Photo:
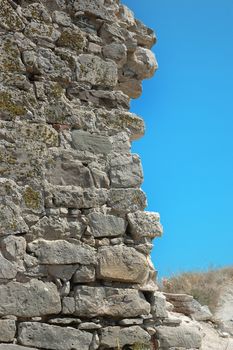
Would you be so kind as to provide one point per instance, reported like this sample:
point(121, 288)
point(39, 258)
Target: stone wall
point(75, 241)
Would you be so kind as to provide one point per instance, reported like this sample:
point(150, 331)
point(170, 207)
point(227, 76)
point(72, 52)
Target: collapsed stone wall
point(75, 241)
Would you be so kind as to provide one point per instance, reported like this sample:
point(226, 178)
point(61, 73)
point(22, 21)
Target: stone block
point(7, 330)
point(62, 252)
point(34, 298)
point(9, 18)
point(121, 263)
point(106, 301)
point(127, 200)
point(84, 274)
point(115, 337)
point(94, 70)
point(125, 171)
point(103, 225)
point(94, 143)
point(144, 224)
point(51, 337)
point(14, 347)
point(76, 197)
point(187, 337)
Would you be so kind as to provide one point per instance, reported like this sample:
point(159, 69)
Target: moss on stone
point(72, 39)
point(9, 17)
point(31, 198)
point(9, 106)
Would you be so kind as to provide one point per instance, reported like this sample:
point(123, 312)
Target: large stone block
point(35, 30)
point(94, 70)
point(73, 38)
point(14, 347)
point(34, 298)
point(115, 337)
point(76, 197)
point(125, 171)
point(121, 263)
point(10, 55)
point(13, 247)
point(11, 219)
point(50, 337)
point(119, 120)
point(144, 224)
point(96, 8)
point(62, 252)
point(8, 269)
point(127, 199)
point(64, 169)
point(187, 337)
point(102, 225)
point(113, 302)
point(7, 330)
point(9, 18)
point(94, 143)
point(143, 63)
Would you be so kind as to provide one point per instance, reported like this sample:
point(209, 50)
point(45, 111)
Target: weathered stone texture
point(105, 301)
point(34, 298)
point(53, 337)
point(75, 271)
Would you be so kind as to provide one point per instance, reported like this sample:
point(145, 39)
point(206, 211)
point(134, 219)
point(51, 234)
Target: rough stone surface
point(14, 347)
point(53, 337)
point(7, 330)
point(62, 252)
point(181, 337)
point(112, 337)
point(102, 225)
point(106, 301)
point(34, 298)
point(120, 263)
point(75, 269)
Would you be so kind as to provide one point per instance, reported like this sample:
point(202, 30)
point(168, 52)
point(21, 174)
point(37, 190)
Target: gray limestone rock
point(127, 200)
point(103, 225)
point(113, 337)
point(73, 37)
point(11, 219)
point(84, 141)
point(187, 337)
point(35, 30)
point(34, 298)
point(13, 247)
point(118, 120)
point(9, 18)
point(159, 306)
point(125, 171)
point(63, 272)
point(7, 330)
point(8, 269)
point(62, 18)
point(97, 8)
point(144, 224)
point(105, 301)
point(91, 68)
point(116, 52)
point(62, 252)
point(14, 347)
point(76, 197)
point(52, 337)
point(121, 263)
point(142, 62)
point(84, 274)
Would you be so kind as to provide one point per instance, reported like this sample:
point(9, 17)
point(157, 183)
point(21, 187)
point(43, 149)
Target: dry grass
point(204, 286)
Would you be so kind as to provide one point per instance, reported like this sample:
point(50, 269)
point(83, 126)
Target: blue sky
point(187, 153)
